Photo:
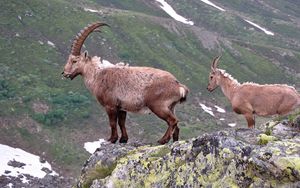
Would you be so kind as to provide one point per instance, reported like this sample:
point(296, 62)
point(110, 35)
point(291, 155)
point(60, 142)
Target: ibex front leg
point(112, 116)
point(121, 122)
point(250, 120)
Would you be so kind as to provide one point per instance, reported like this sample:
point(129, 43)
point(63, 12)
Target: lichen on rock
point(230, 158)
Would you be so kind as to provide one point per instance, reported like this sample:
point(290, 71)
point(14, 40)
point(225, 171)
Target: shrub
point(51, 118)
point(6, 91)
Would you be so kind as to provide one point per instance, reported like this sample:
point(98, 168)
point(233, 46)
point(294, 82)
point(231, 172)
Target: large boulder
point(269, 157)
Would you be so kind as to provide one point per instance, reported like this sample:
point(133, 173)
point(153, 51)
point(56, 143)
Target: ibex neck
point(89, 77)
point(228, 85)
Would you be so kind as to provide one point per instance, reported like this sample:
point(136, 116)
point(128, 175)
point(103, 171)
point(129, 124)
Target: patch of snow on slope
point(169, 10)
point(219, 109)
point(231, 124)
point(212, 4)
point(92, 146)
point(90, 10)
point(32, 167)
point(51, 44)
point(207, 109)
point(261, 28)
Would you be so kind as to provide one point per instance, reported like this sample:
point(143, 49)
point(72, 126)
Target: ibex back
point(250, 98)
point(121, 89)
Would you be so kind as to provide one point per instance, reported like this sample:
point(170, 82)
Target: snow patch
point(41, 42)
point(231, 124)
point(169, 10)
point(92, 146)
point(222, 119)
point(51, 44)
point(90, 10)
point(212, 4)
point(207, 109)
point(261, 28)
point(32, 167)
point(219, 109)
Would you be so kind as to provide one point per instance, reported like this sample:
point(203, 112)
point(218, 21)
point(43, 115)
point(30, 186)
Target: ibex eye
point(74, 61)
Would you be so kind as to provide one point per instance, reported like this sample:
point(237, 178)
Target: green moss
point(264, 139)
point(98, 172)
point(160, 151)
point(292, 117)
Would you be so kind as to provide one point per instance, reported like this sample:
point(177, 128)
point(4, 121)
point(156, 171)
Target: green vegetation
point(264, 139)
point(142, 35)
point(99, 172)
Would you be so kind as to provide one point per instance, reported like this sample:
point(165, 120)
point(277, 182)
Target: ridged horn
point(215, 62)
point(82, 35)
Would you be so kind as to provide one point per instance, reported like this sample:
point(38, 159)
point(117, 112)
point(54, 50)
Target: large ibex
point(252, 99)
point(122, 89)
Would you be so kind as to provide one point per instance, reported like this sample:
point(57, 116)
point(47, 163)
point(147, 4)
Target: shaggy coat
point(121, 88)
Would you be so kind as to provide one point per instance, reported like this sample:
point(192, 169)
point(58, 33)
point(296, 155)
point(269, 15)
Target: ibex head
point(214, 75)
point(77, 60)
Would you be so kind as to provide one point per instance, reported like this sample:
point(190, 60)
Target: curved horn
point(82, 35)
point(215, 62)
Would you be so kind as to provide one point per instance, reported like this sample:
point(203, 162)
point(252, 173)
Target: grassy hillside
point(43, 113)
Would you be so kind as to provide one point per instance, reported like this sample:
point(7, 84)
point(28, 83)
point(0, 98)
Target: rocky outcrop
point(269, 157)
point(49, 181)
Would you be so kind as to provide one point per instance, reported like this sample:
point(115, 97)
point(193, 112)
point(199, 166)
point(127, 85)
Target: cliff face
point(268, 157)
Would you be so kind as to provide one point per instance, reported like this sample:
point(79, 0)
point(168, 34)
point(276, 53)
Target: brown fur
point(121, 89)
point(251, 98)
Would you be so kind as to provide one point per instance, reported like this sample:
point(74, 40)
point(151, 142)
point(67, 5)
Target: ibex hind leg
point(121, 122)
point(176, 129)
point(165, 114)
point(176, 134)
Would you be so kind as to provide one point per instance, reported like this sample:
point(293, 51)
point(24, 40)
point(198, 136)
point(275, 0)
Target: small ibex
point(252, 99)
point(121, 88)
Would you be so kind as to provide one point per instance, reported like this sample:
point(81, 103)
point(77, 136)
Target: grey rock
point(231, 158)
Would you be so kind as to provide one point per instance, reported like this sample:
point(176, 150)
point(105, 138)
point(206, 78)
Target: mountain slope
point(40, 112)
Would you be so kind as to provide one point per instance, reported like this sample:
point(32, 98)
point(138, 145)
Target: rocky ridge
point(264, 157)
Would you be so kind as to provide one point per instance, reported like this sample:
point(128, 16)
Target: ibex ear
point(86, 54)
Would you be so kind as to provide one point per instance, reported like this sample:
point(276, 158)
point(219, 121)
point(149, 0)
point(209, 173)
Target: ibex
point(252, 99)
point(121, 89)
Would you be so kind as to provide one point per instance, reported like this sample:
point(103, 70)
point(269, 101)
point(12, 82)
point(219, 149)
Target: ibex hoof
point(123, 140)
point(163, 141)
point(112, 140)
point(175, 138)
